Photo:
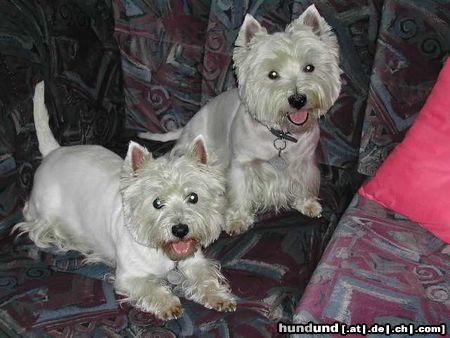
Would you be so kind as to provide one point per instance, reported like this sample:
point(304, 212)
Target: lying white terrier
point(264, 134)
point(147, 217)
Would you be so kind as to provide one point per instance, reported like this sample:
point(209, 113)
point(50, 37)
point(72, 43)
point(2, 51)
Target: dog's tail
point(170, 136)
point(47, 142)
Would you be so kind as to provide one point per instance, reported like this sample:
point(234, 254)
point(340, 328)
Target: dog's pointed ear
point(198, 150)
point(248, 30)
point(311, 18)
point(136, 156)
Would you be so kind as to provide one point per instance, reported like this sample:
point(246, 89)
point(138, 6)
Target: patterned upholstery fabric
point(379, 268)
point(412, 45)
point(176, 57)
point(70, 44)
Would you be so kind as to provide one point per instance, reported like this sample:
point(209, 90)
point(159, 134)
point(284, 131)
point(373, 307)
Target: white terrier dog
point(147, 217)
point(264, 134)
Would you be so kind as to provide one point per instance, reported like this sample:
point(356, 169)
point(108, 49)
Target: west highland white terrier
point(146, 217)
point(264, 134)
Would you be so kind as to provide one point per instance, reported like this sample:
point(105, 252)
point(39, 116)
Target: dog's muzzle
point(182, 247)
point(299, 116)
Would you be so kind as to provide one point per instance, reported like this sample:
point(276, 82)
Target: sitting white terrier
point(264, 134)
point(147, 217)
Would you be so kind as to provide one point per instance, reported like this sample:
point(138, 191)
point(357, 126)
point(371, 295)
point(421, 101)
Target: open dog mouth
point(298, 117)
point(181, 249)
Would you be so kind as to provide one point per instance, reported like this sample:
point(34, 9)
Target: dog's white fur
point(87, 198)
point(236, 123)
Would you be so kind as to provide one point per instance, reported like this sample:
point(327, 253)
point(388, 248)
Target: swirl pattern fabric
point(379, 267)
point(412, 45)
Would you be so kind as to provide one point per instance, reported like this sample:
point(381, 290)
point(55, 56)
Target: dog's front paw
point(310, 207)
point(166, 308)
point(224, 305)
point(220, 302)
point(173, 311)
point(236, 228)
point(237, 222)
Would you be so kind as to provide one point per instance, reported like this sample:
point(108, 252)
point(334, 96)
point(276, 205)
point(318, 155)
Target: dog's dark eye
point(308, 68)
point(192, 198)
point(157, 204)
point(273, 75)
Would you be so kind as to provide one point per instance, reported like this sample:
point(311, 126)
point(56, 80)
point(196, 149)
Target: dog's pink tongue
point(299, 116)
point(182, 247)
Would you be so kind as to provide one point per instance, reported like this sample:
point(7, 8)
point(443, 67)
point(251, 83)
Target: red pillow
point(415, 179)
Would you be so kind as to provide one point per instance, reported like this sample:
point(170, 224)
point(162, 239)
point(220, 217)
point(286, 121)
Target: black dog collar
point(282, 135)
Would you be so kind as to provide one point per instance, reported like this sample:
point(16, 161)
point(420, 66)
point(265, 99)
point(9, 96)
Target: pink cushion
point(415, 179)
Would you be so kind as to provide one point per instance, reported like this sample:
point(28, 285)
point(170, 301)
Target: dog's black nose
point(180, 230)
point(297, 101)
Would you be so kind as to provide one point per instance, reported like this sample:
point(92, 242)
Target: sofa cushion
point(379, 268)
point(415, 178)
point(412, 45)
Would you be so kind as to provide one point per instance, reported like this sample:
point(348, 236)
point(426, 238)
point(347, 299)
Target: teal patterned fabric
point(412, 45)
point(70, 44)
